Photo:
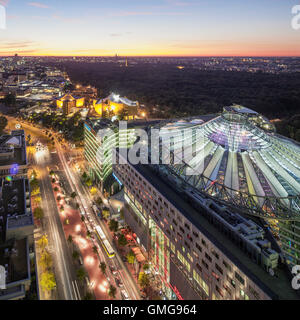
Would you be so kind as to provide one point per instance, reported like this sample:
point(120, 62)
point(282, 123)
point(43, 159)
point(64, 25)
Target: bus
point(100, 233)
point(108, 248)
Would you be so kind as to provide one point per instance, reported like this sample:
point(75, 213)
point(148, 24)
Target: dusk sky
point(150, 27)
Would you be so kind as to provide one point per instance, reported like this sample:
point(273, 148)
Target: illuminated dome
point(232, 159)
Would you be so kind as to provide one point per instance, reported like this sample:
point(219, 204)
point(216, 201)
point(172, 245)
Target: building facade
point(98, 150)
point(195, 253)
point(114, 105)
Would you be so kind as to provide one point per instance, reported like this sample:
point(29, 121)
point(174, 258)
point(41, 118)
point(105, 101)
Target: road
point(86, 203)
point(65, 277)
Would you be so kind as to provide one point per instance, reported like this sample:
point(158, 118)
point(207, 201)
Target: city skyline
point(150, 28)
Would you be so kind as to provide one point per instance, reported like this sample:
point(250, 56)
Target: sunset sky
point(150, 27)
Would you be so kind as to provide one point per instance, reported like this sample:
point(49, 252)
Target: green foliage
point(75, 254)
point(88, 296)
point(113, 225)
point(81, 274)
point(176, 93)
point(48, 282)
point(290, 127)
point(144, 280)
point(99, 201)
point(146, 266)
point(102, 267)
point(95, 250)
point(130, 257)
point(122, 240)
point(34, 185)
point(38, 213)
point(73, 195)
point(112, 291)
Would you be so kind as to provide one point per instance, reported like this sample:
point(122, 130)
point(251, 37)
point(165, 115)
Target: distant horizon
point(153, 56)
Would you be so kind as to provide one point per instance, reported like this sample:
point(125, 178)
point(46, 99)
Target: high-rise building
point(98, 148)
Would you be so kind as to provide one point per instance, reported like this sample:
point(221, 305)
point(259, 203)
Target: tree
point(46, 261)
point(37, 200)
point(38, 213)
point(123, 114)
point(34, 186)
point(58, 198)
point(10, 100)
point(81, 274)
point(130, 257)
point(48, 282)
point(3, 123)
point(122, 240)
point(113, 225)
point(73, 195)
point(144, 280)
point(146, 266)
point(112, 291)
point(82, 218)
point(35, 191)
point(93, 191)
point(88, 296)
point(99, 201)
point(43, 242)
point(55, 189)
point(88, 182)
point(297, 135)
point(75, 254)
point(95, 250)
point(84, 176)
point(105, 213)
point(102, 266)
point(70, 239)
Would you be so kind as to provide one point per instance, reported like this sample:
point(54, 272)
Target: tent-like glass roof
point(233, 160)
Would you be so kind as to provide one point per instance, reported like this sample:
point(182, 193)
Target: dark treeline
point(190, 91)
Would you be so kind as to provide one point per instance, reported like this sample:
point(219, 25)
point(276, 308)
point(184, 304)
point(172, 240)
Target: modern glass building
point(98, 148)
point(218, 215)
point(237, 160)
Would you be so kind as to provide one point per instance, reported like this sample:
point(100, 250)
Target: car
point(119, 283)
point(113, 270)
point(124, 295)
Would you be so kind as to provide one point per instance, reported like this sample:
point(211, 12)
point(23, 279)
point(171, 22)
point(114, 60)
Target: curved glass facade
point(234, 161)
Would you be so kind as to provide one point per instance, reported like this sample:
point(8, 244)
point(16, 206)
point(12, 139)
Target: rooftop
point(15, 210)
point(14, 257)
point(232, 158)
point(118, 99)
point(13, 149)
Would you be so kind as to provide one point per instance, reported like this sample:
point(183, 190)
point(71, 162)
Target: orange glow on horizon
point(230, 49)
point(284, 53)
